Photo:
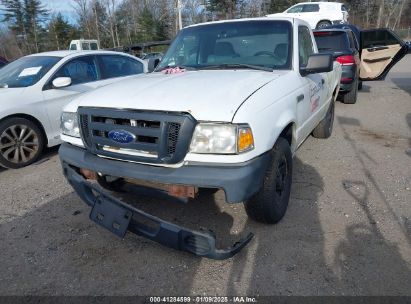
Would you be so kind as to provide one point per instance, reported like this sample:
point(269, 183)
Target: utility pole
point(180, 21)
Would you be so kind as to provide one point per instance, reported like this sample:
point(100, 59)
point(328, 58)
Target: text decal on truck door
point(315, 95)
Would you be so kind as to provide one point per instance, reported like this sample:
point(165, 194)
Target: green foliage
point(14, 15)
point(226, 8)
point(60, 33)
point(26, 18)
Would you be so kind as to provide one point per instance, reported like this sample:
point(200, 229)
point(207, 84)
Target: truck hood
point(208, 95)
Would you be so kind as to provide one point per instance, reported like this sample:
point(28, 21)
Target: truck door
point(312, 98)
point(381, 49)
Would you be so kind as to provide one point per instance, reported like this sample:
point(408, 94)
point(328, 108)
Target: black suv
point(344, 46)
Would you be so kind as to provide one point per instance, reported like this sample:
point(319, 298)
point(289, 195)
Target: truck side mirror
point(317, 63)
point(152, 63)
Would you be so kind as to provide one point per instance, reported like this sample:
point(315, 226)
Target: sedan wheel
point(21, 143)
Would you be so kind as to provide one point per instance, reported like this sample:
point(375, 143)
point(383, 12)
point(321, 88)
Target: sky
point(65, 7)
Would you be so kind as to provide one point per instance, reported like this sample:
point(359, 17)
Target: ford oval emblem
point(121, 136)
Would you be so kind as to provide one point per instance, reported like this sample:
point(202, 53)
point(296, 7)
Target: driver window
point(80, 70)
point(305, 45)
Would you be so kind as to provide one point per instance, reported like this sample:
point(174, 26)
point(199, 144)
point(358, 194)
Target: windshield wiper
point(236, 66)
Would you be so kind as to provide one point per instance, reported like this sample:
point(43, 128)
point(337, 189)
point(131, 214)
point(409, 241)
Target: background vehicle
point(84, 45)
point(34, 89)
point(318, 14)
point(3, 62)
point(345, 49)
point(233, 100)
point(371, 58)
point(408, 43)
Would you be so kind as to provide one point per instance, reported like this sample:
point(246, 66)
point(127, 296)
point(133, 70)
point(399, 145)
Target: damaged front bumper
point(118, 217)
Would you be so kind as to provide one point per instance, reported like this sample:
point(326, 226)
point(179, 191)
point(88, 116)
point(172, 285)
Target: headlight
point(69, 124)
point(221, 139)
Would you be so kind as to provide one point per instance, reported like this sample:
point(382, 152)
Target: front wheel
point(21, 142)
point(270, 203)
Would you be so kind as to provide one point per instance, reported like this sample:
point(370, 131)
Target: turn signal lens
point(245, 139)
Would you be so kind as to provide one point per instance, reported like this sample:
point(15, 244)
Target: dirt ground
point(347, 230)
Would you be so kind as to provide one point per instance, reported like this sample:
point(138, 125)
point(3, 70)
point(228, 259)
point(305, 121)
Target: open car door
point(381, 49)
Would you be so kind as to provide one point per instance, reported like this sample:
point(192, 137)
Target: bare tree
point(83, 12)
point(380, 13)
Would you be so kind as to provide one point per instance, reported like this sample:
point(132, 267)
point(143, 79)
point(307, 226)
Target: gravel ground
point(347, 230)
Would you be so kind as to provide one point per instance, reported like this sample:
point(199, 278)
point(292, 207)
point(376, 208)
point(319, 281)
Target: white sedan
point(34, 89)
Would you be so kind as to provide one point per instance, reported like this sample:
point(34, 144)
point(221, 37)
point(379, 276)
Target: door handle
point(376, 59)
point(300, 97)
point(377, 48)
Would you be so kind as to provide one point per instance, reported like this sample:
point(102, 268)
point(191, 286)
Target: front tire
point(325, 128)
point(21, 142)
point(270, 203)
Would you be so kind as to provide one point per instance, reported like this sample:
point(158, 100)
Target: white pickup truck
point(227, 108)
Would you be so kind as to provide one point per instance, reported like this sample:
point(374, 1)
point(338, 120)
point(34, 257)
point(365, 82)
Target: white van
point(84, 45)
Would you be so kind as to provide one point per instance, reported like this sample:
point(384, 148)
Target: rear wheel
point(323, 24)
point(351, 96)
point(270, 203)
point(325, 127)
point(21, 142)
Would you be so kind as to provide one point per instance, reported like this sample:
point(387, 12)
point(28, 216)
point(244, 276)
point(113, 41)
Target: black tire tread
point(260, 206)
point(351, 96)
point(323, 130)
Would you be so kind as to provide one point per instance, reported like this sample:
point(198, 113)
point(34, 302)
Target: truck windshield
point(26, 71)
point(265, 43)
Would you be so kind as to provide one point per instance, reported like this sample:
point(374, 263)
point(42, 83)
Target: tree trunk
point(35, 35)
point(398, 20)
point(380, 13)
point(97, 25)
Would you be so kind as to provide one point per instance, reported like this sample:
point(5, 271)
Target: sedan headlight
point(69, 124)
point(213, 138)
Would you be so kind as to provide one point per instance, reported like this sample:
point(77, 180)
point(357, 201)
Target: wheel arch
point(288, 133)
point(30, 118)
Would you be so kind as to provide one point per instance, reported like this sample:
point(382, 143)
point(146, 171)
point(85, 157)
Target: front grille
point(173, 132)
point(153, 137)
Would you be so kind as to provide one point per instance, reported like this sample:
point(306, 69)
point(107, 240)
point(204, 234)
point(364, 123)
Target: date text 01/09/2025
point(203, 299)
